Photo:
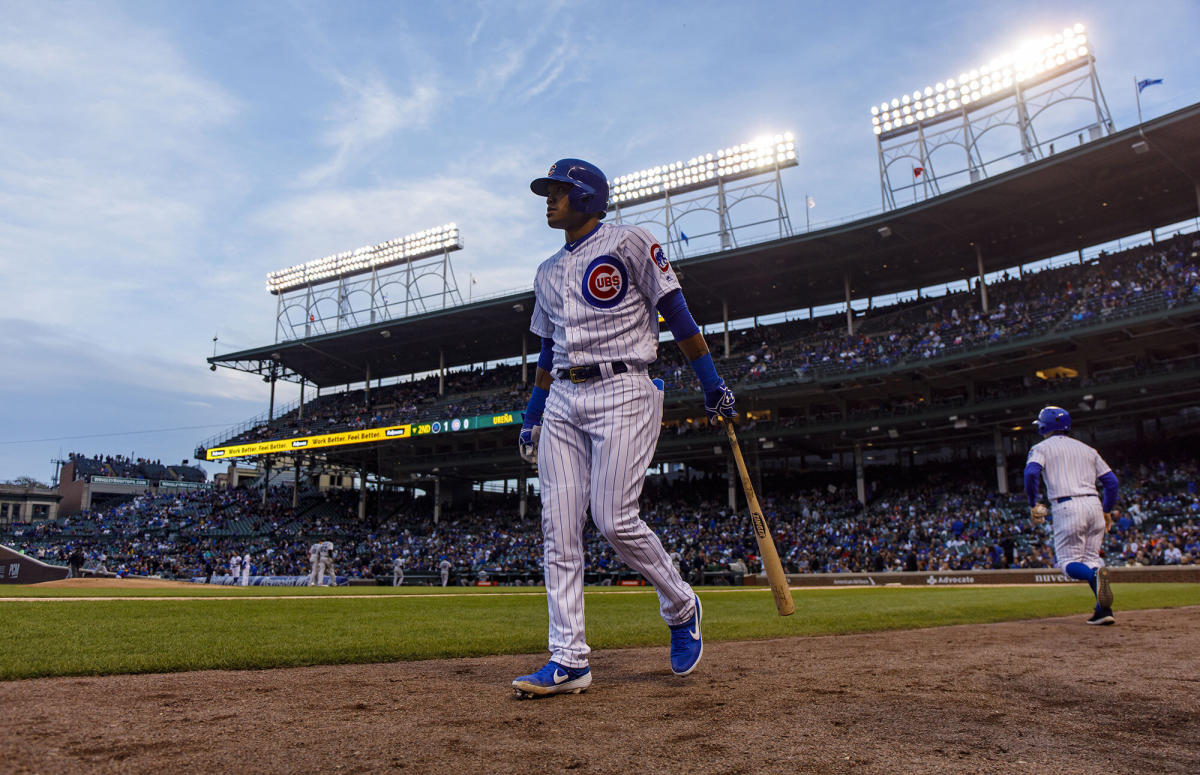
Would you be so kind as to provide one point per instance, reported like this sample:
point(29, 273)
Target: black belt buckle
point(580, 373)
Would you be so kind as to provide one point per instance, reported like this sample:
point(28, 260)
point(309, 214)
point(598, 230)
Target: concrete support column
point(437, 499)
point(860, 477)
point(296, 486)
point(524, 360)
point(362, 495)
point(300, 409)
point(731, 477)
point(441, 372)
point(1001, 462)
point(523, 498)
point(849, 312)
point(725, 318)
point(983, 300)
point(266, 480)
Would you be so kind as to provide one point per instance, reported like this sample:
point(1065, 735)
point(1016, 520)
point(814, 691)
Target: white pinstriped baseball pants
point(1078, 532)
point(597, 439)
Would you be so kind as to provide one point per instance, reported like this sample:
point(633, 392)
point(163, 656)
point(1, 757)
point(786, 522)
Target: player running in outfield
point(594, 414)
point(1081, 516)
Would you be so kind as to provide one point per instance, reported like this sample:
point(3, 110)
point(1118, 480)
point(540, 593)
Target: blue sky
point(161, 157)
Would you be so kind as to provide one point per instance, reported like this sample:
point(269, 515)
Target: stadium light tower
point(711, 182)
point(1011, 90)
point(350, 288)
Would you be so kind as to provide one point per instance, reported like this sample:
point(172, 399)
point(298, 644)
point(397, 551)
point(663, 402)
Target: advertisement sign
point(120, 480)
point(168, 484)
point(448, 425)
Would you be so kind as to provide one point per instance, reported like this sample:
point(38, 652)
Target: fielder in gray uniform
point(314, 557)
point(1081, 516)
point(594, 414)
point(327, 555)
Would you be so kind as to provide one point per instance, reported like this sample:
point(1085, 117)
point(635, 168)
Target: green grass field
point(122, 631)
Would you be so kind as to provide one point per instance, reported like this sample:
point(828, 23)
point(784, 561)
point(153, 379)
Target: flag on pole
point(474, 280)
point(683, 237)
point(1142, 84)
point(811, 203)
point(917, 172)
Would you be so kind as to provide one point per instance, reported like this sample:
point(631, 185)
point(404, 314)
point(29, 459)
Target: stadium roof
point(1126, 183)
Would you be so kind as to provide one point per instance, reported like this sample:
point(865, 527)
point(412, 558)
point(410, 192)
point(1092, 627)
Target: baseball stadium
point(359, 584)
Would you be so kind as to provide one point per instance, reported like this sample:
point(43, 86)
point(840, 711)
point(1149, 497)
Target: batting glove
point(719, 402)
point(527, 443)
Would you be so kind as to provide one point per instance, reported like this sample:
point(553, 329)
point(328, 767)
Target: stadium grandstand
point(948, 336)
point(887, 371)
point(93, 482)
point(931, 517)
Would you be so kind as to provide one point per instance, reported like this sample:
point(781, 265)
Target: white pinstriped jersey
point(1069, 466)
point(597, 297)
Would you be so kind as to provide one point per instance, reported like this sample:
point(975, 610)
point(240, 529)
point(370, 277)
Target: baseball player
point(444, 566)
point(245, 581)
point(325, 558)
point(1081, 516)
point(314, 557)
point(235, 568)
point(397, 571)
point(594, 414)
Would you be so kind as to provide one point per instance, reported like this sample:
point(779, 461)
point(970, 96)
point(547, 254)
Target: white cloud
point(368, 113)
point(109, 165)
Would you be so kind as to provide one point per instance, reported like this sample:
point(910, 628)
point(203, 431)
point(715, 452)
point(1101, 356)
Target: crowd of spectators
point(1131, 282)
point(940, 518)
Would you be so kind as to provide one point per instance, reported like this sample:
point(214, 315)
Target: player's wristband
point(537, 405)
point(706, 370)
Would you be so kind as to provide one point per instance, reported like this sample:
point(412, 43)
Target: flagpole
point(1138, 94)
point(807, 207)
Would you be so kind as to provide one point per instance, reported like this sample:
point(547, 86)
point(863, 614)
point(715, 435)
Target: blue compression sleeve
point(1033, 475)
point(537, 405)
point(1109, 480)
point(706, 370)
point(546, 356)
point(674, 310)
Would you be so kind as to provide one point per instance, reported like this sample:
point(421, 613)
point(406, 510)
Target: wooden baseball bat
point(766, 544)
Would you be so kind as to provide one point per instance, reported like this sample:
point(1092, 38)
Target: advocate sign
point(346, 438)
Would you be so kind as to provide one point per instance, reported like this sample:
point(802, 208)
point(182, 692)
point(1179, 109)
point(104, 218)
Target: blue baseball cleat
point(686, 644)
point(553, 679)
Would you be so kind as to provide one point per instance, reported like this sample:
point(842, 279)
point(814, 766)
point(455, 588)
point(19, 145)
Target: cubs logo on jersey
point(660, 258)
point(605, 282)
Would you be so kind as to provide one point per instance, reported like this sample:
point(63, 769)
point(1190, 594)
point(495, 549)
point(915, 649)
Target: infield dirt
point(1048, 695)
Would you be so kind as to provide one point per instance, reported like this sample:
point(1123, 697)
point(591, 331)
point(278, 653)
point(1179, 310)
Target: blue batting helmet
point(1053, 419)
point(589, 187)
